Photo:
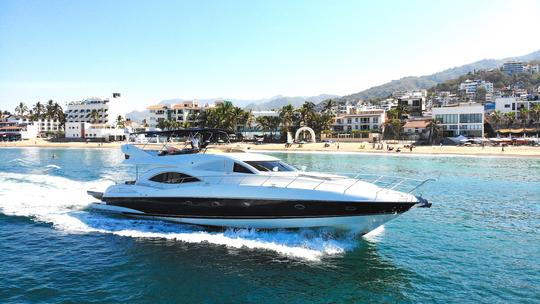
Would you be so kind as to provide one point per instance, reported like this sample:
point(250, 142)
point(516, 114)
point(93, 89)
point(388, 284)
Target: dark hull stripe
point(247, 217)
point(253, 208)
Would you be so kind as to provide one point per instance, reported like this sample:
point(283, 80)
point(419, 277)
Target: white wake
point(62, 202)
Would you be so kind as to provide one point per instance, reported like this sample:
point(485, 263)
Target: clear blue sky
point(154, 50)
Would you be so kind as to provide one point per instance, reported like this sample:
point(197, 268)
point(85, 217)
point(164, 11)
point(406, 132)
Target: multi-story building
point(157, 114)
point(470, 87)
point(344, 107)
point(11, 128)
point(514, 105)
point(415, 100)
point(361, 121)
point(388, 103)
point(461, 119)
point(43, 126)
point(95, 118)
point(535, 69)
point(107, 110)
point(85, 130)
point(513, 67)
point(185, 111)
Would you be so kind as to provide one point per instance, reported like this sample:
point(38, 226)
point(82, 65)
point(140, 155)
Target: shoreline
point(318, 148)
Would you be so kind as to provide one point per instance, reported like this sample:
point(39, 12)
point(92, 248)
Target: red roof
point(420, 124)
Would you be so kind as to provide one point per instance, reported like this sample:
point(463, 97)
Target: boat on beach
point(204, 185)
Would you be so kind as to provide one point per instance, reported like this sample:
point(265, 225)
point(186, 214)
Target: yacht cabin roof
point(138, 156)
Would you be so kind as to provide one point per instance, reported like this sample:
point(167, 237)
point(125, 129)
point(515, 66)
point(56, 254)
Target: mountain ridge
point(428, 81)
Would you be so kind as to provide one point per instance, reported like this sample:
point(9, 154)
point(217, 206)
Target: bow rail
point(339, 182)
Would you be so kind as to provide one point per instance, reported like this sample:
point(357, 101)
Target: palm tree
point(393, 114)
point(326, 121)
point(21, 109)
point(286, 115)
point(402, 109)
point(39, 111)
point(434, 128)
point(59, 115)
point(524, 115)
point(496, 117)
point(50, 110)
point(120, 122)
point(237, 117)
point(264, 123)
point(273, 123)
point(510, 118)
point(535, 111)
point(307, 113)
point(94, 116)
point(392, 128)
point(162, 124)
point(328, 107)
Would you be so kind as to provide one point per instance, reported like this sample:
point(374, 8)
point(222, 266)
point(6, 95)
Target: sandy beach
point(509, 151)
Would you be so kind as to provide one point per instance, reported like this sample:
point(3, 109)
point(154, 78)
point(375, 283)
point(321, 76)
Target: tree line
point(234, 119)
point(44, 111)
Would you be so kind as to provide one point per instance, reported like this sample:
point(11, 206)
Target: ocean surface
point(480, 242)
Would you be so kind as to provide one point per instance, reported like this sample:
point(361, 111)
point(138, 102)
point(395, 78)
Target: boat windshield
point(271, 165)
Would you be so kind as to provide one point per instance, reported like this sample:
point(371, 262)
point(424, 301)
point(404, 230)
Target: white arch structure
point(302, 129)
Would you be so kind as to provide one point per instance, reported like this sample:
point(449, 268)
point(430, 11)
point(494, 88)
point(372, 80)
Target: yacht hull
point(360, 217)
point(360, 224)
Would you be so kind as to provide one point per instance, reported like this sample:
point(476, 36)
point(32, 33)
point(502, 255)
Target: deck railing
point(336, 182)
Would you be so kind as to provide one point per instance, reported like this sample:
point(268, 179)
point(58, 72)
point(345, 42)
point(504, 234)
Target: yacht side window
point(173, 178)
point(241, 169)
point(271, 165)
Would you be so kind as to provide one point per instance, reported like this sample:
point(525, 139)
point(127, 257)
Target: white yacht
point(250, 190)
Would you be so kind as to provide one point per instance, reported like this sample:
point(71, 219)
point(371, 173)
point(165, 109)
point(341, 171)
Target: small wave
point(375, 235)
point(20, 162)
point(62, 202)
point(53, 166)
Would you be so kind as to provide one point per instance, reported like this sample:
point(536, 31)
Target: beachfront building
point(513, 67)
point(368, 120)
point(461, 119)
point(95, 132)
point(185, 111)
point(416, 129)
point(95, 119)
point(11, 129)
point(107, 109)
point(514, 105)
point(42, 126)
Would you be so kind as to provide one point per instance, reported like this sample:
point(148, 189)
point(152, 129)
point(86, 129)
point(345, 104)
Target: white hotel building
point(42, 126)
point(183, 111)
point(461, 119)
point(360, 121)
point(81, 125)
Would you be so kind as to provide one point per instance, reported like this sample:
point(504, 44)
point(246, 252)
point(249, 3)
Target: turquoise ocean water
point(480, 242)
